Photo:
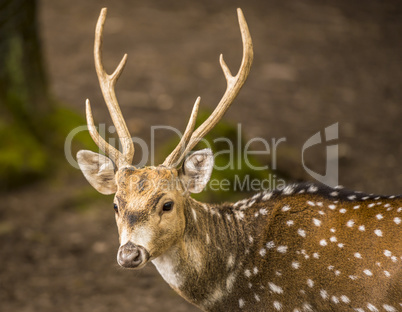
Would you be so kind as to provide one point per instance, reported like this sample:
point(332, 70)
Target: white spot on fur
point(263, 252)
point(324, 294)
point(310, 283)
point(388, 308)
point(270, 245)
point(286, 208)
point(343, 210)
point(345, 299)
point(247, 273)
point(290, 222)
point(295, 265)
point(267, 196)
point(216, 296)
point(397, 220)
point(230, 281)
point(350, 223)
point(368, 272)
point(323, 242)
point(282, 249)
point(335, 299)
point(332, 207)
point(316, 222)
point(263, 211)
point(239, 214)
point(231, 261)
point(333, 239)
point(371, 307)
point(207, 239)
point(358, 255)
point(379, 216)
point(301, 232)
point(288, 190)
point(241, 303)
point(275, 288)
point(378, 232)
point(277, 305)
point(312, 189)
point(362, 228)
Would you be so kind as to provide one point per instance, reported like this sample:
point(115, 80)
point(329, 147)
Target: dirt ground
point(316, 63)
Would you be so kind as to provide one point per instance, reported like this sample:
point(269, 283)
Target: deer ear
point(196, 170)
point(98, 170)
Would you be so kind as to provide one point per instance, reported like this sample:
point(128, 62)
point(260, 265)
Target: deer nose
point(132, 256)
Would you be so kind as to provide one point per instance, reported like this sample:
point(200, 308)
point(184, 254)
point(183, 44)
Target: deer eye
point(116, 208)
point(168, 206)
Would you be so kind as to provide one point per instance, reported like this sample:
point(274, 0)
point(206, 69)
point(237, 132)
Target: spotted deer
point(306, 247)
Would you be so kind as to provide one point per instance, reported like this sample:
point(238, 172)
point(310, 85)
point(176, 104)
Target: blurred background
point(316, 63)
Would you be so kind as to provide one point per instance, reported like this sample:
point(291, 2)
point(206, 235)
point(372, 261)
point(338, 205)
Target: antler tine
point(102, 144)
point(234, 84)
point(107, 84)
point(178, 151)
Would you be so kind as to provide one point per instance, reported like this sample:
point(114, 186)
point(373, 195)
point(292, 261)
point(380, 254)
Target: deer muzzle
point(131, 256)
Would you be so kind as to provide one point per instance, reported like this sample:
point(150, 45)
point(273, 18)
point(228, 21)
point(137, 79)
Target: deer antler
point(107, 84)
point(234, 84)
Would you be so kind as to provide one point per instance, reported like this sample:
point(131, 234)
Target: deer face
point(149, 203)
point(149, 213)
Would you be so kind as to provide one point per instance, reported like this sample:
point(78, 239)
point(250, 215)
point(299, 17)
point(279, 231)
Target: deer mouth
point(131, 256)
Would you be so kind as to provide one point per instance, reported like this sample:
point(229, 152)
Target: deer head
point(149, 202)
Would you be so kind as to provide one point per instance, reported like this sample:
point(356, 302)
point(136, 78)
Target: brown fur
point(273, 252)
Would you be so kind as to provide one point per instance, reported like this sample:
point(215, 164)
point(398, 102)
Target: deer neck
point(203, 265)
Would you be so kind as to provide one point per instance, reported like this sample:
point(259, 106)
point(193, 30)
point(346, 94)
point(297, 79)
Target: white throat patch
point(167, 267)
